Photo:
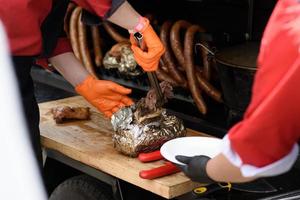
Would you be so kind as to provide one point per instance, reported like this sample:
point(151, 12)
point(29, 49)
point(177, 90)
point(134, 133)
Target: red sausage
point(209, 89)
point(84, 50)
point(175, 40)
point(97, 45)
point(74, 32)
point(167, 56)
point(190, 69)
point(164, 76)
point(68, 14)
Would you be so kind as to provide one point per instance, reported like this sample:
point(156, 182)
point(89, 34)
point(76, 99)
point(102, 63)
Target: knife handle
point(151, 75)
point(206, 190)
point(139, 38)
point(148, 157)
point(164, 170)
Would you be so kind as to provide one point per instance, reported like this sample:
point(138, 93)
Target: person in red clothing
point(34, 28)
point(264, 143)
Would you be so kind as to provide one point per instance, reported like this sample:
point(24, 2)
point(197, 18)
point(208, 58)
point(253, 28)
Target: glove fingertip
point(108, 114)
point(183, 159)
point(179, 166)
point(134, 48)
point(120, 89)
point(115, 109)
point(127, 101)
point(138, 52)
point(124, 91)
point(132, 40)
point(179, 157)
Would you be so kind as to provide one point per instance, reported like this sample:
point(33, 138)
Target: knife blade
point(151, 75)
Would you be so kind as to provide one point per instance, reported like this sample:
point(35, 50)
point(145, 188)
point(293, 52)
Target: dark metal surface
point(294, 195)
point(236, 67)
point(257, 186)
point(106, 178)
point(52, 79)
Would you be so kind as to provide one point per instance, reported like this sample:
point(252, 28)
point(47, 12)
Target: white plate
point(190, 146)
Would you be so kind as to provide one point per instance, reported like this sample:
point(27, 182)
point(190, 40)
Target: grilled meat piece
point(62, 114)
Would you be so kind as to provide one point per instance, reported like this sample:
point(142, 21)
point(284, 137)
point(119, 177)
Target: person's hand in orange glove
point(148, 59)
point(108, 97)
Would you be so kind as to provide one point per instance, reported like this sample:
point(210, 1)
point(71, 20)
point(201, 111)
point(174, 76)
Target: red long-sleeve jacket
point(271, 126)
point(22, 20)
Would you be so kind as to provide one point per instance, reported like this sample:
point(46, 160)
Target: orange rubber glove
point(107, 96)
point(148, 59)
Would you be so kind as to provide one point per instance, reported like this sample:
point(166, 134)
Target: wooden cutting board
point(90, 143)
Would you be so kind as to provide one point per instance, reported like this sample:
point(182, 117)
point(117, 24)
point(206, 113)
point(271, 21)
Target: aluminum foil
point(132, 137)
point(122, 59)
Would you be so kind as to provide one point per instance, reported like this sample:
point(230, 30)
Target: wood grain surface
point(90, 143)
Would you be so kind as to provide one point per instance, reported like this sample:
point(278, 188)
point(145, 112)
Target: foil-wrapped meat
point(121, 57)
point(143, 127)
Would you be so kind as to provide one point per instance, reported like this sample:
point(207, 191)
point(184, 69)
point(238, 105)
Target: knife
point(151, 75)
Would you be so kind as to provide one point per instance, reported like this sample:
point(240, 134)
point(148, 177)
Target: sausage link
point(209, 89)
point(97, 45)
point(67, 17)
point(167, 56)
point(83, 47)
point(164, 67)
point(190, 69)
point(113, 33)
point(74, 32)
point(163, 76)
point(175, 40)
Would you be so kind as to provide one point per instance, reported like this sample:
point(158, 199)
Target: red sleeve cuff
point(97, 7)
point(43, 62)
point(63, 46)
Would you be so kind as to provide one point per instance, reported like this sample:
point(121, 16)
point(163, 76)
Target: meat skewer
point(83, 47)
point(74, 32)
point(167, 56)
point(97, 45)
point(190, 69)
